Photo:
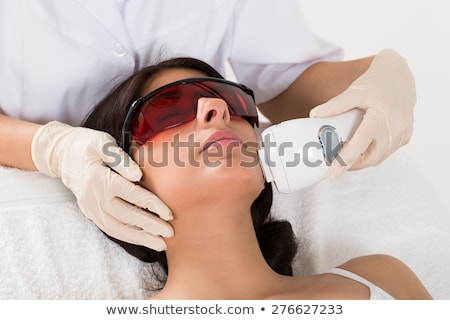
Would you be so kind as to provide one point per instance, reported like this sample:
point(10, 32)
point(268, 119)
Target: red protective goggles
point(176, 103)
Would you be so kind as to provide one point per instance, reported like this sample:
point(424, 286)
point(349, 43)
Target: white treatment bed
point(49, 250)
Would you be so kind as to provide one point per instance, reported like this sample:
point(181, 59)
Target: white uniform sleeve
point(61, 57)
point(272, 45)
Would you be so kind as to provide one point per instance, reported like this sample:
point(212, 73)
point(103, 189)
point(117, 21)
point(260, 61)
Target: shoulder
point(390, 274)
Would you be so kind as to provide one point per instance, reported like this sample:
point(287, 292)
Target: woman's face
point(211, 160)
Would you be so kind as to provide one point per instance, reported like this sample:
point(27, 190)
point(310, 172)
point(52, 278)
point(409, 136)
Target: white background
point(420, 32)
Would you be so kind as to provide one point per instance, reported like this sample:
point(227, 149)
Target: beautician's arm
point(15, 142)
point(383, 86)
point(316, 85)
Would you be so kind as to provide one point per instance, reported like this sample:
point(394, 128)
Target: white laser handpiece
point(296, 153)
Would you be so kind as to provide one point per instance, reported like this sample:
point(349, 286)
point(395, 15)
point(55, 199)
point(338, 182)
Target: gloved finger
point(382, 141)
point(337, 105)
point(114, 157)
point(137, 217)
point(353, 149)
point(130, 234)
point(142, 238)
point(368, 158)
point(138, 196)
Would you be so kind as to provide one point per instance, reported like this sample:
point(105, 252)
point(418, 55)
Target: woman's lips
point(221, 138)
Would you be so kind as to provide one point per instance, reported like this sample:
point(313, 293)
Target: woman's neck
point(215, 255)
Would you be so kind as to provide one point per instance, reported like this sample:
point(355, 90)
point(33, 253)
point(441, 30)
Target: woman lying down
point(192, 134)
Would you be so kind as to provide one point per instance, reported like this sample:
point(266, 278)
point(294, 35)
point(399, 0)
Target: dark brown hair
point(275, 237)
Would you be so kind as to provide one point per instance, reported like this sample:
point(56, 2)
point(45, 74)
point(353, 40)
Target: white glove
point(109, 198)
point(386, 91)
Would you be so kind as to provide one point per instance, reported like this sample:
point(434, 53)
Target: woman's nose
point(212, 112)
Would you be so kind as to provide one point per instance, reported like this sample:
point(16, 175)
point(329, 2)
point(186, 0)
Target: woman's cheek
point(167, 178)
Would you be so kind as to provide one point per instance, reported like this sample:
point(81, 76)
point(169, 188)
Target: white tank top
point(376, 293)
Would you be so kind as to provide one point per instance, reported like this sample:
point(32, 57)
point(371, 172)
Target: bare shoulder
point(390, 274)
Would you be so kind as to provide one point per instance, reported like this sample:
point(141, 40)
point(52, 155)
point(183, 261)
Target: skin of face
point(183, 172)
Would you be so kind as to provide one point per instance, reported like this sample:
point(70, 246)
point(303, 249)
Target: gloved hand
point(107, 197)
point(386, 91)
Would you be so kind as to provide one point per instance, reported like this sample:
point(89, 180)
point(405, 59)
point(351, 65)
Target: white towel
point(49, 250)
point(389, 209)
